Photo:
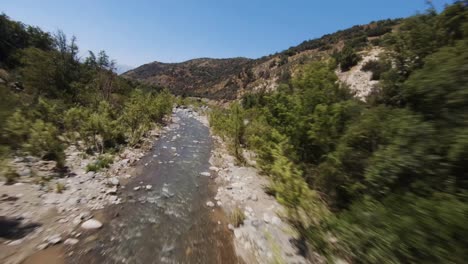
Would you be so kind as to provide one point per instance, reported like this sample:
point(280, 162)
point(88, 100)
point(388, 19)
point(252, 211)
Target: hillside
point(233, 77)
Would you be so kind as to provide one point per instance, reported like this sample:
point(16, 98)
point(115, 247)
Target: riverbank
point(43, 210)
point(164, 217)
point(263, 237)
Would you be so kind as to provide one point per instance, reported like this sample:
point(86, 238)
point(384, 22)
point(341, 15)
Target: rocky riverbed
point(176, 209)
point(263, 237)
point(45, 209)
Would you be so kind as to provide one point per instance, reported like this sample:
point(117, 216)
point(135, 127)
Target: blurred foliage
point(376, 67)
point(103, 161)
point(50, 98)
point(381, 181)
point(237, 217)
point(230, 124)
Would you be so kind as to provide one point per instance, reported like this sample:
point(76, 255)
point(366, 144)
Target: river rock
point(71, 241)
point(25, 172)
point(91, 224)
point(213, 168)
point(136, 188)
point(148, 187)
point(266, 218)
point(113, 181)
point(55, 239)
point(237, 233)
point(15, 242)
point(42, 246)
point(254, 197)
point(112, 191)
point(275, 220)
point(206, 174)
point(210, 204)
point(76, 221)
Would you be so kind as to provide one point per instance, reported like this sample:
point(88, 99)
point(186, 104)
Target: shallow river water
point(170, 223)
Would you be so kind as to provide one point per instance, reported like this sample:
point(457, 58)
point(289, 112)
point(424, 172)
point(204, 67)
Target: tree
point(38, 73)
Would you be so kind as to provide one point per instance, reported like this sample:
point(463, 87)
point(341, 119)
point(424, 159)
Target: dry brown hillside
point(231, 78)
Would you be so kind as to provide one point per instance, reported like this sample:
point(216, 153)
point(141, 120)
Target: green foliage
point(229, 123)
point(47, 93)
point(42, 142)
point(439, 90)
point(16, 129)
point(9, 174)
point(376, 67)
point(377, 182)
point(60, 187)
point(38, 72)
point(102, 128)
point(347, 58)
point(379, 28)
point(73, 120)
point(237, 217)
point(141, 110)
point(17, 36)
point(404, 228)
point(356, 33)
point(103, 161)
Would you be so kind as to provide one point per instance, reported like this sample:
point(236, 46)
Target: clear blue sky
point(140, 31)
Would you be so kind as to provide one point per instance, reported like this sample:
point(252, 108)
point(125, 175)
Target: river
point(169, 223)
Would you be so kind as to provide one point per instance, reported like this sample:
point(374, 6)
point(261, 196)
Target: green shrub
point(17, 129)
point(376, 67)
point(73, 121)
point(237, 217)
point(10, 174)
point(404, 229)
point(142, 110)
point(229, 123)
point(347, 58)
point(60, 187)
point(102, 128)
point(43, 142)
point(103, 161)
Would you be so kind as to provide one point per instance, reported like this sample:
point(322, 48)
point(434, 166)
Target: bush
point(16, 129)
point(237, 217)
point(142, 110)
point(103, 129)
point(10, 174)
point(229, 123)
point(60, 187)
point(347, 58)
point(74, 120)
point(103, 161)
point(43, 142)
point(404, 229)
point(376, 67)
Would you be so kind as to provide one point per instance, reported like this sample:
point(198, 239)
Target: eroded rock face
point(358, 80)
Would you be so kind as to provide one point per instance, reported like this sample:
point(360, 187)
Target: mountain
point(200, 77)
point(121, 68)
point(231, 78)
